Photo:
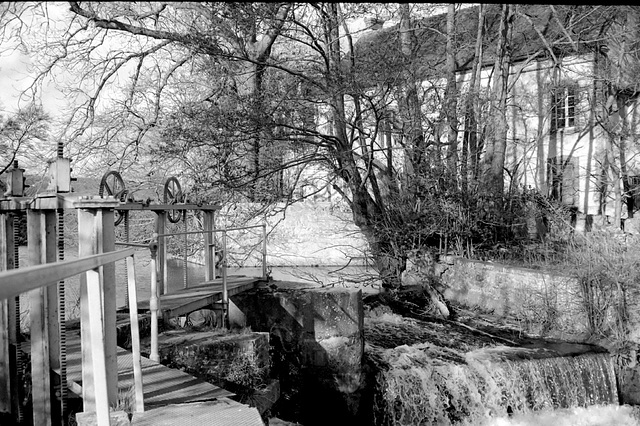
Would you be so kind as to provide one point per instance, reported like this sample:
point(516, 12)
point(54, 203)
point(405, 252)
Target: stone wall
point(317, 341)
point(315, 233)
point(309, 233)
point(540, 302)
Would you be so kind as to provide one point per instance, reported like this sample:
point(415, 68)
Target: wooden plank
point(86, 247)
point(40, 232)
point(186, 307)
point(183, 302)
point(21, 280)
point(105, 234)
point(138, 403)
point(6, 253)
point(5, 359)
point(161, 385)
point(97, 342)
point(222, 412)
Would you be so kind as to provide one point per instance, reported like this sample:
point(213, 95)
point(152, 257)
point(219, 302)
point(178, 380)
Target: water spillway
point(453, 383)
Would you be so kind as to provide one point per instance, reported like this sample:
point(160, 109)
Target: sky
point(15, 78)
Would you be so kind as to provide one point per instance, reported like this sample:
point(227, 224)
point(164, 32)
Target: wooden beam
point(138, 403)
point(41, 232)
point(17, 281)
point(97, 363)
point(105, 239)
point(87, 247)
point(6, 262)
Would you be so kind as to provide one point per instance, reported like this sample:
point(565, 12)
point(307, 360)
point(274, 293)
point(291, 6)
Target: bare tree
point(23, 136)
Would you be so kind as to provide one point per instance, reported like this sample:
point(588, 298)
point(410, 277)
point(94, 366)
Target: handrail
point(16, 281)
point(123, 243)
point(224, 232)
point(238, 228)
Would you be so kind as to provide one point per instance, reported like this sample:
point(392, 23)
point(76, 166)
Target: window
point(634, 191)
point(563, 179)
point(563, 108)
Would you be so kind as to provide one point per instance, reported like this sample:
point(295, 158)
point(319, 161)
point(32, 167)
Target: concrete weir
point(317, 337)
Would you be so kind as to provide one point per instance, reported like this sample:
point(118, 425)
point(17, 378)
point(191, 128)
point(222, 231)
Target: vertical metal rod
point(185, 276)
point(126, 238)
point(225, 293)
point(154, 302)
point(161, 221)
point(264, 251)
point(209, 251)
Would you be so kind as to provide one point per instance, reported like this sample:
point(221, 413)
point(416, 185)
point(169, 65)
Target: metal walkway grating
point(171, 397)
point(222, 412)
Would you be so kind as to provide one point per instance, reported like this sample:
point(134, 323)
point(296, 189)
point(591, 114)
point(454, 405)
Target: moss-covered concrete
point(317, 342)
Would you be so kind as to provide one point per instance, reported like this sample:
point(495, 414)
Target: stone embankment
point(317, 340)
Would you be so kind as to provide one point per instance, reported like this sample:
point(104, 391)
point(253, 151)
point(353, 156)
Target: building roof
point(379, 51)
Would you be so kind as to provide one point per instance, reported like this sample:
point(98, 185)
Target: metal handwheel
point(173, 195)
point(113, 184)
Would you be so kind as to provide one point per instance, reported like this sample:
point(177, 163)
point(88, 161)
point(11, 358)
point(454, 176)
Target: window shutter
point(583, 108)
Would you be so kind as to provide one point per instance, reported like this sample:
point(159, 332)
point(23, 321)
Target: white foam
point(596, 415)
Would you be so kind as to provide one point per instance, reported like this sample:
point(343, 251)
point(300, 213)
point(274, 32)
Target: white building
point(572, 116)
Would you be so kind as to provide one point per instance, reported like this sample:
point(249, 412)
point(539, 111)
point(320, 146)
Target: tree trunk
point(497, 143)
point(410, 104)
point(451, 95)
point(470, 138)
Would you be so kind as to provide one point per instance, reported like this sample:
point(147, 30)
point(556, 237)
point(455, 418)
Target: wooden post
point(161, 221)
point(107, 242)
point(96, 235)
point(138, 405)
point(209, 250)
point(93, 333)
point(41, 234)
point(8, 379)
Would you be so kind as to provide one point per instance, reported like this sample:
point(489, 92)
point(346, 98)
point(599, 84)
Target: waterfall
point(416, 386)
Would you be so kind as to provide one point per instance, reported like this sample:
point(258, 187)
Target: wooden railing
point(17, 281)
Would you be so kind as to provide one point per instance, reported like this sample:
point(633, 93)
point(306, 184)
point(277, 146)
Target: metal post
point(186, 242)
point(126, 238)
point(264, 251)
point(225, 294)
point(161, 221)
point(154, 302)
point(209, 251)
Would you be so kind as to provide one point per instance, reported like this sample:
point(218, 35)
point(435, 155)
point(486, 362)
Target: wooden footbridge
point(87, 361)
